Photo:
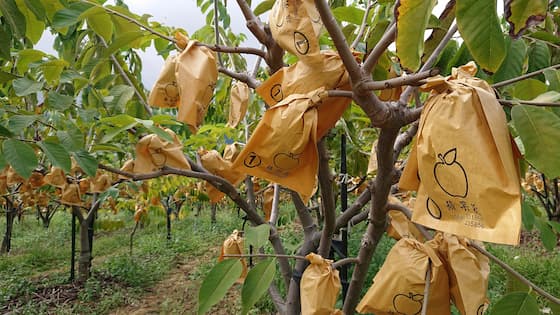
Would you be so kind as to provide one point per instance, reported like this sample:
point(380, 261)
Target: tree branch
point(235, 50)
point(386, 40)
point(362, 26)
point(327, 199)
point(533, 103)
point(523, 77)
point(345, 261)
point(427, 289)
point(243, 77)
point(412, 79)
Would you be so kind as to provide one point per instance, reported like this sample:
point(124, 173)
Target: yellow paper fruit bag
point(71, 195)
point(268, 198)
point(231, 151)
point(215, 164)
point(233, 245)
point(319, 286)
point(238, 104)
point(165, 92)
point(301, 78)
point(55, 177)
point(100, 183)
point(196, 73)
point(283, 147)
point(398, 287)
point(462, 163)
point(468, 271)
point(153, 152)
point(296, 26)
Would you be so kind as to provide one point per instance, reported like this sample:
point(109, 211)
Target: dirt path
point(178, 292)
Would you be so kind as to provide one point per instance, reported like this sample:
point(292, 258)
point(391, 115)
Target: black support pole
point(73, 254)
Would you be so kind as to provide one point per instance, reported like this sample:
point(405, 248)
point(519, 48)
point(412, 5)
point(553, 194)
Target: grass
point(39, 261)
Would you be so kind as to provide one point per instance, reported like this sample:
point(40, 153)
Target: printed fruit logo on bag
point(408, 303)
point(462, 162)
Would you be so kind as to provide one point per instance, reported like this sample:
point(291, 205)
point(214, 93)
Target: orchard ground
point(163, 277)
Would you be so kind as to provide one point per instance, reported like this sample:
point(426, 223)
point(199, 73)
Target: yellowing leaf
point(412, 19)
point(522, 14)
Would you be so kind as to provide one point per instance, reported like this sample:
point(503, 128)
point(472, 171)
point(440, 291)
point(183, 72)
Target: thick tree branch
point(427, 289)
point(327, 199)
point(377, 216)
point(404, 139)
point(235, 50)
point(243, 77)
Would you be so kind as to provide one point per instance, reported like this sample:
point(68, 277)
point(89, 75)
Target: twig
point(523, 77)
point(243, 77)
point(386, 40)
point(517, 275)
point(236, 50)
point(345, 261)
point(124, 75)
point(362, 26)
point(427, 289)
point(340, 93)
point(403, 100)
point(518, 102)
point(131, 20)
point(266, 256)
point(412, 79)
point(217, 31)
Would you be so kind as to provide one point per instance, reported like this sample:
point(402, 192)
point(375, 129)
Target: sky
point(178, 13)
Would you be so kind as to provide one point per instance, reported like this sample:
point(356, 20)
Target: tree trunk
point(84, 262)
point(7, 240)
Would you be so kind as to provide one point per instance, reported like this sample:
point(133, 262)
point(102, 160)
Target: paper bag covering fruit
point(283, 147)
point(399, 225)
point(55, 177)
point(3, 183)
point(233, 245)
point(215, 164)
point(100, 183)
point(128, 167)
point(71, 195)
point(187, 81)
point(296, 26)
point(462, 163)
point(153, 152)
point(468, 271)
point(231, 151)
point(36, 180)
point(319, 286)
point(197, 74)
point(398, 287)
point(13, 177)
point(268, 198)
point(302, 78)
point(239, 100)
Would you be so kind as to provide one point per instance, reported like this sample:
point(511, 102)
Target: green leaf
point(118, 120)
point(263, 7)
point(99, 21)
point(512, 66)
point(34, 28)
point(52, 70)
point(57, 154)
point(59, 101)
point(6, 77)
point(107, 148)
point(21, 157)
point(539, 130)
point(5, 132)
point(479, 26)
point(217, 283)
point(412, 19)
point(163, 119)
point(522, 14)
point(71, 138)
point(119, 96)
point(516, 303)
point(122, 41)
point(555, 226)
point(548, 237)
point(553, 78)
point(547, 97)
point(25, 86)
point(18, 123)
point(14, 17)
point(3, 162)
point(256, 284)
point(37, 8)
point(66, 17)
point(257, 236)
point(27, 56)
point(528, 215)
point(528, 89)
point(86, 162)
point(5, 44)
point(539, 57)
point(148, 124)
point(349, 14)
point(113, 132)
